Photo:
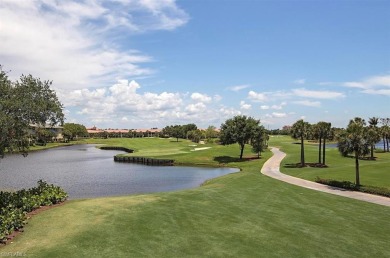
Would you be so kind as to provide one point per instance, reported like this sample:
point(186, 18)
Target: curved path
point(271, 169)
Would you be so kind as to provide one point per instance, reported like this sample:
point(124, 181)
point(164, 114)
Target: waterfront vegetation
point(244, 214)
point(15, 205)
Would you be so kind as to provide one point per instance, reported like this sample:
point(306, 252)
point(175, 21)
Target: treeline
point(358, 139)
point(190, 132)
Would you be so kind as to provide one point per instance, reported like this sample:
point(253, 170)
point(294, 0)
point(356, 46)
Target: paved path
point(271, 169)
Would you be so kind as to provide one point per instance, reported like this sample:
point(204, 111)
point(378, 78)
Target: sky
point(152, 63)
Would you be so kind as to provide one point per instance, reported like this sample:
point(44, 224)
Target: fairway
point(244, 214)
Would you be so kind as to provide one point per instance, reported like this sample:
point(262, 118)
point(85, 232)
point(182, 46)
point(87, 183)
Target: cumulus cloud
point(257, 97)
point(73, 42)
point(245, 106)
point(264, 107)
point(276, 115)
point(125, 104)
point(200, 97)
point(317, 94)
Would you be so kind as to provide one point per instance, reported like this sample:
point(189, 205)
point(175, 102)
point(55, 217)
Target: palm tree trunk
point(357, 170)
point(384, 143)
point(302, 153)
point(372, 151)
point(319, 151)
point(323, 151)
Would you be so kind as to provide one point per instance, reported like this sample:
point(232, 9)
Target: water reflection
point(86, 172)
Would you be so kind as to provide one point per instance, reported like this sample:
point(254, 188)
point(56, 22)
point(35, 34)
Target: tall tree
point(354, 140)
point(301, 130)
point(238, 129)
point(22, 103)
point(321, 132)
point(373, 134)
point(385, 130)
point(259, 140)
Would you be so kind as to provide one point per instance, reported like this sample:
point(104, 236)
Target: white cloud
point(276, 115)
point(239, 87)
point(317, 94)
point(73, 42)
point(245, 106)
point(200, 97)
point(300, 81)
point(257, 97)
point(264, 107)
point(379, 85)
point(195, 108)
point(308, 103)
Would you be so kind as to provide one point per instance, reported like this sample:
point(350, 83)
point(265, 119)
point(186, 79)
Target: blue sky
point(144, 63)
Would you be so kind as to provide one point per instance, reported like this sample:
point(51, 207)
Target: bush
point(352, 186)
point(14, 206)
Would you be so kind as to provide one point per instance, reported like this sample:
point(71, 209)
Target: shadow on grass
point(228, 159)
point(298, 165)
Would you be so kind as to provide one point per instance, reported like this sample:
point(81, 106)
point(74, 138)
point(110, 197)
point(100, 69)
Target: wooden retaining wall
point(117, 148)
point(145, 161)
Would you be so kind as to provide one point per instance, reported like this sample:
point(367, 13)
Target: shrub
point(14, 206)
point(352, 186)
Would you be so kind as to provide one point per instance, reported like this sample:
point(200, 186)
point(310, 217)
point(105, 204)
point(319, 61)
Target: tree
point(211, 132)
point(22, 103)
point(373, 134)
point(238, 129)
point(354, 140)
point(72, 130)
point(385, 131)
point(259, 140)
point(301, 130)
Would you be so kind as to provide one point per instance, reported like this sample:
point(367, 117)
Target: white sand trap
point(203, 148)
point(193, 145)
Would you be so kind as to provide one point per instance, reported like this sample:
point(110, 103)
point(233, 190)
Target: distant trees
point(240, 129)
point(72, 130)
point(25, 102)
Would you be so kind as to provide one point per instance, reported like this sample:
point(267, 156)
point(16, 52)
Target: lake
point(85, 171)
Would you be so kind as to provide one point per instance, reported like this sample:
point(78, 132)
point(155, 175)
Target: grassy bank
point(244, 214)
point(372, 172)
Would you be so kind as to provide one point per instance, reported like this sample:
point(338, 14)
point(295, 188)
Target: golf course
point(243, 214)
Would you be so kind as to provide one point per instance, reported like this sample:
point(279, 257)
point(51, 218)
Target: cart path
point(271, 168)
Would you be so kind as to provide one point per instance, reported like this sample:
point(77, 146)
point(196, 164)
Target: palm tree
point(385, 131)
point(300, 130)
point(353, 140)
point(373, 135)
point(328, 135)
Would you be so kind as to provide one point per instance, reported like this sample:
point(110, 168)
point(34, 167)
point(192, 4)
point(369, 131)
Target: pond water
point(378, 146)
point(85, 171)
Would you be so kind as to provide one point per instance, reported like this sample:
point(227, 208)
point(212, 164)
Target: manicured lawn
point(375, 173)
point(244, 214)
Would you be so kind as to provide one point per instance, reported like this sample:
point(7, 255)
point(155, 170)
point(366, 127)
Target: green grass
point(244, 214)
point(372, 172)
